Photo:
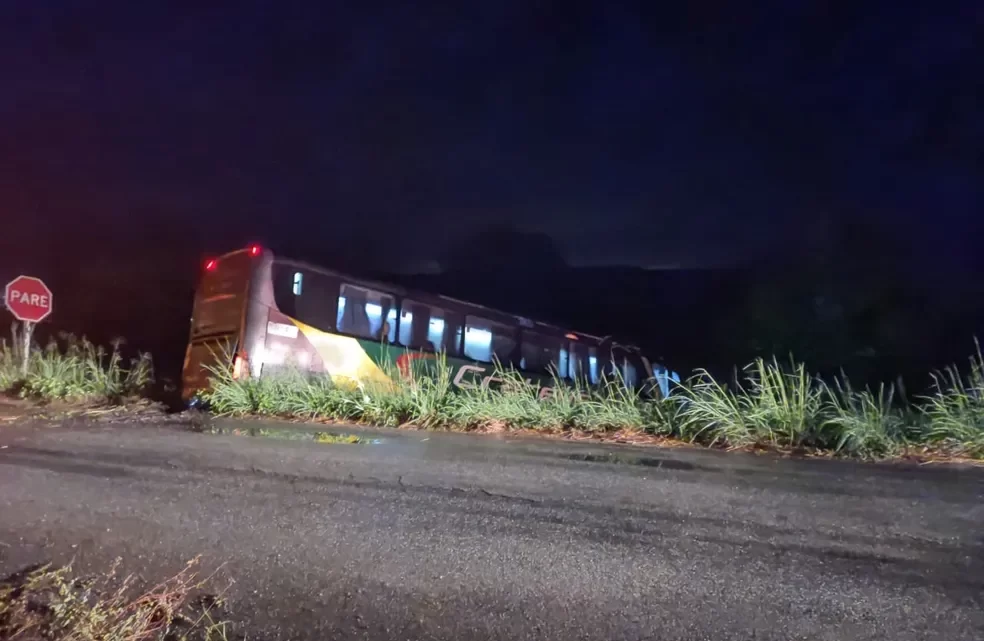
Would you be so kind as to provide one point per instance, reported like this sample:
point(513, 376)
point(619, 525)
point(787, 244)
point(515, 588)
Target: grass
point(955, 410)
point(769, 404)
point(433, 401)
point(74, 370)
point(863, 423)
point(52, 604)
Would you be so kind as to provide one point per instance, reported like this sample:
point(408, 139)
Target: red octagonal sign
point(28, 299)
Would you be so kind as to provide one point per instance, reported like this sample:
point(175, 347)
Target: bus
point(269, 313)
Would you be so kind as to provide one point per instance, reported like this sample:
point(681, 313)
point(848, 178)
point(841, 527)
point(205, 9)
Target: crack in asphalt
point(508, 497)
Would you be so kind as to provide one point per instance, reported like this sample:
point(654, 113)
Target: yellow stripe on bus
point(343, 356)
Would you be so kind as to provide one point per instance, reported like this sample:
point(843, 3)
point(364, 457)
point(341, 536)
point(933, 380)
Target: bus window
point(485, 340)
point(542, 353)
point(627, 366)
point(429, 328)
point(578, 366)
point(305, 295)
point(630, 374)
point(450, 343)
point(362, 312)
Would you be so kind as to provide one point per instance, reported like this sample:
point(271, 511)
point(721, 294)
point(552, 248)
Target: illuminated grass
point(771, 404)
point(774, 405)
point(865, 424)
point(955, 410)
point(431, 400)
point(75, 370)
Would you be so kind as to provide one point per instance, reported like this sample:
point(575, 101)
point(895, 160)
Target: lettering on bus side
point(463, 380)
point(459, 377)
point(473, 376)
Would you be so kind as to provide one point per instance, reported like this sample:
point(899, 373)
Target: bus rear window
point(221, 297)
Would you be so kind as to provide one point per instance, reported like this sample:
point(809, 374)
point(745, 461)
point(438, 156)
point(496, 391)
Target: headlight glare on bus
point(237, 367)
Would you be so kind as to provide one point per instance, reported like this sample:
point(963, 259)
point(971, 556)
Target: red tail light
point(254, 250)
point(211, 264)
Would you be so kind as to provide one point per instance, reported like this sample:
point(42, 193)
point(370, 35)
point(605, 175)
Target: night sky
point(695, 136)
point(141, 134)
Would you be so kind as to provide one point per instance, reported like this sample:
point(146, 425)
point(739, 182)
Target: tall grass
point(430, 399)
point(955, 409)
point(773, 404)
point(863, 423)
point(10, 366)
point(769, 404)
point(75, 370)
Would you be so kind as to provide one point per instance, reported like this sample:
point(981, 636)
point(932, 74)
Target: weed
point(51, 604)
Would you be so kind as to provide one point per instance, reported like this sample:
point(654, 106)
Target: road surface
point(436, 536)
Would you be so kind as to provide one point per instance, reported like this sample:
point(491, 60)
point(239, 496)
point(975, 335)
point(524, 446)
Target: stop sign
point(28, 299)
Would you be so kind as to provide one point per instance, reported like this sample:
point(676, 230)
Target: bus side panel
point(464, 373)
point(285, 344)
point(291, 343)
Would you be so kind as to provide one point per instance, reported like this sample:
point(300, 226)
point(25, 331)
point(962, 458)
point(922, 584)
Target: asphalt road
point(431, 536)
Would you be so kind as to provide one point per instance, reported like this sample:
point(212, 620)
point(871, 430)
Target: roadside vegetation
point(431, 400)
point(49, 603)
point(74, 370)
point(768, 404)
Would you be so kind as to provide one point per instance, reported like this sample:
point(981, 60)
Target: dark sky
point(700, 135)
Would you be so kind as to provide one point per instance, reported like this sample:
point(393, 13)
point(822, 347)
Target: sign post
point(24, 349)
point(29, 300)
